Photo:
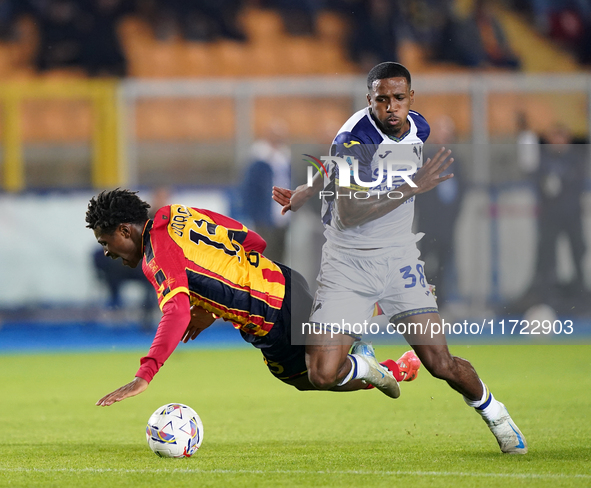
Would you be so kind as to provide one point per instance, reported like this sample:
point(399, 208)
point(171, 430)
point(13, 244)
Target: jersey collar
point(146, 233)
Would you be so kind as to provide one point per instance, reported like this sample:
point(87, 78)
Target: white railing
point(244, 92)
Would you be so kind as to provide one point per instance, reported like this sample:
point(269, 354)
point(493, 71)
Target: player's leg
point(332, 367)
point(327, 359)
point(345, 299)
point(404, 369)
point(289, 355)
point(433, 352)
point(326, 367)
point(411, 303)
point(338, 301)
point(435, 356)
point(326, 353)
point(291, 364)
point(323, 361)
point(302, 383)
point(308, 367)
point(326, 364)
point(324, 370)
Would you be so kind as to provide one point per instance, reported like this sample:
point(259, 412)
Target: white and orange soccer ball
point(174, 430)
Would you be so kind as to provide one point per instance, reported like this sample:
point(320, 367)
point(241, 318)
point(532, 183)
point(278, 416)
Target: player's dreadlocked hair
point(111, 208)
point(389, 69)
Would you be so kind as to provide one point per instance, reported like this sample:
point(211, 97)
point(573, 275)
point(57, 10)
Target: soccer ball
point(174, 430)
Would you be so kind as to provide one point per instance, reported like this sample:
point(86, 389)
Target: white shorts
point(352, 281)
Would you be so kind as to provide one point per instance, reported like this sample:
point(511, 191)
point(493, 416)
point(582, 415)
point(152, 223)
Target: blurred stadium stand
point(196, 96)
point(267, 41)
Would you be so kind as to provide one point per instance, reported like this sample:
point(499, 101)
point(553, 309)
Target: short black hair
point(389, 69)
point(111, 208)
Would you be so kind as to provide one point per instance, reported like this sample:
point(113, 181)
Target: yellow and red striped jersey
point(217, 261)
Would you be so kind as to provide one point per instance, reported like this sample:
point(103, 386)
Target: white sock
point(488, 407)
point(359, 369)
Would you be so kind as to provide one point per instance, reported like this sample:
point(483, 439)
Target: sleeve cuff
point(172, 294)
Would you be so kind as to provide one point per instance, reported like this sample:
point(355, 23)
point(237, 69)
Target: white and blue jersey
point(361, 139)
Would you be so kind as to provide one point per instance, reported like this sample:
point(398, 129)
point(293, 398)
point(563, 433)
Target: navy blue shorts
point(284, 360)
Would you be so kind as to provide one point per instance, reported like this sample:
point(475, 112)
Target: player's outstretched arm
point(134, 388)
point(293, 200)
point(201, 319)
point(176, 314)
point(354, 212)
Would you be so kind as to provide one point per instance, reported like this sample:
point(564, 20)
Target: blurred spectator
point(80, 34)
point(584, 47)
point(460, 41)
point(9, 12)
point(160, 198)
point(437, 212)
point(205, 20)
point(103, 54)
point(270, 166)
point(475, 39)
point(528, 146)
point(559, 17)
point(496, 46)
point(373, 31)
point(466, 33)
point(299, 16)
point(61, 30)
point(114, 276)
point(567, 22)
point(560, 182)
point(566, 27)
point(424, 20)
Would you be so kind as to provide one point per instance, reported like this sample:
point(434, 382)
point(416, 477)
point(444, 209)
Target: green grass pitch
point(262, 433)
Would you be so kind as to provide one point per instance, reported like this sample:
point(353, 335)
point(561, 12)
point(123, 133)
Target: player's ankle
point(359, 369)
point(488, 407)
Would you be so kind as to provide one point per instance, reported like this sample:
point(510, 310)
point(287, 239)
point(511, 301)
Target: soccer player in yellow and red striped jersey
point(217, 262)
point(205, 265)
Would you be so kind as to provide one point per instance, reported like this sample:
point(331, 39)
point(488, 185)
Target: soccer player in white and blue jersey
point(370, 255)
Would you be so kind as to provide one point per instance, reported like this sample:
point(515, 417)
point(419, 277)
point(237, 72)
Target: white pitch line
point(322, 472)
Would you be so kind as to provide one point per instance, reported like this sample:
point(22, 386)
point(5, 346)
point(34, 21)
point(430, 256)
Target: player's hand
point(283, 197)
point(130, 389)
point(292, 200)
point(429, 176)
point(201, 319)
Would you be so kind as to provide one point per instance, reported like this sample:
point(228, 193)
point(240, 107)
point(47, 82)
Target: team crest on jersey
point(418, 150)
